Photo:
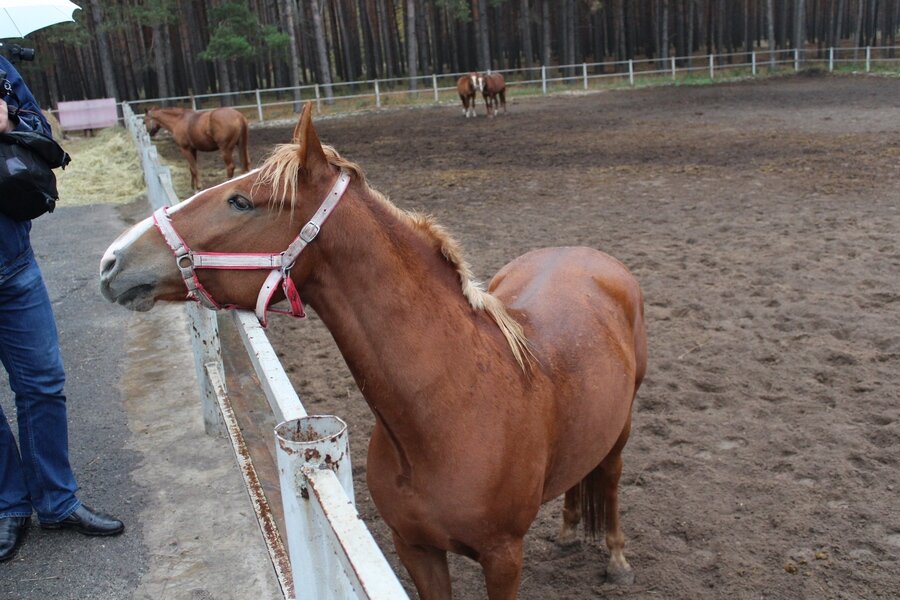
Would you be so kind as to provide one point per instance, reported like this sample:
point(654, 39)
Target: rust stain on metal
point(277, 551)
point(311, 454)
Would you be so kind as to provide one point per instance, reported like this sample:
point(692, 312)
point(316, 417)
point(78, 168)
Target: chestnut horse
point(468, 87)
point(487, 403)
point(206, 131)
point(494, 90)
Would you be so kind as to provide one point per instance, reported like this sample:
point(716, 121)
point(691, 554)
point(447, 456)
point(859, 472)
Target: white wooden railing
point(268, 104)
point(331, 553)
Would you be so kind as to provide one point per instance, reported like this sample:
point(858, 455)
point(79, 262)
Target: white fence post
point(868, 58)
point(318, 99)
point(712, 67)
point(435, 88)
point(796, 59)
point(207, 356)
point(193, 103)
point(544, 79)
point(673, 68)
point(631, 72)
point(584, 74)
point(259, 111)
point(753, 62)
point(309, 450)
point(831, 59)
point(377, 95)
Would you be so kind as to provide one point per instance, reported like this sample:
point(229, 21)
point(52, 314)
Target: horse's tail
point(245, 137)
point(592, 498)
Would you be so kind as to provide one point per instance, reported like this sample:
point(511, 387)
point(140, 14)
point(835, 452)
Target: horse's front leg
point(502, 567)
point(428, 568)
point(191, 155)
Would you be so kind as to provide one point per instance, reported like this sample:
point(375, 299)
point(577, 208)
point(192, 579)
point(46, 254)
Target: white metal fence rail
point(273, 103)
point(332, 554)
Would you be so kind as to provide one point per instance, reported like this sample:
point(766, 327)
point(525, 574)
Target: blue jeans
point(35, 475)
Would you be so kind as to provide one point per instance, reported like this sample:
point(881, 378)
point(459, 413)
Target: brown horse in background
point(487, 403)
point(468, 87)
point(206, 131)
point(494, 90)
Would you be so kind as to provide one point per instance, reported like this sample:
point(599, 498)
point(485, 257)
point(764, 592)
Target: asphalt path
point(136, 445)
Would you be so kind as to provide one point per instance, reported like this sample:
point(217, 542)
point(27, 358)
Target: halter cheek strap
point(279, 265)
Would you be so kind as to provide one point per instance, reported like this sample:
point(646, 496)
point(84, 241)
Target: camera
point(17, 52)
point(5, 85)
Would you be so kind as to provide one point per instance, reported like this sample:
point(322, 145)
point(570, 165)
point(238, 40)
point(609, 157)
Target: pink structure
point(88, 114)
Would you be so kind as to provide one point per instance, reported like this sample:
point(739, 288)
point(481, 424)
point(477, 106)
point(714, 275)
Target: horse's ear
point(312, 156)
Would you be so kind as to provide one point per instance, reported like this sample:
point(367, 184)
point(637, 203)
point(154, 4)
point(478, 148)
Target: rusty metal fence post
point(323, 527)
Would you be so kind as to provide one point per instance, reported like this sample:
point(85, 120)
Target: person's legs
point(14, 500)
point(29, 350)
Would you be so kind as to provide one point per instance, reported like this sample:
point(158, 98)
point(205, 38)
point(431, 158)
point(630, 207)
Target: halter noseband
point(279, 265)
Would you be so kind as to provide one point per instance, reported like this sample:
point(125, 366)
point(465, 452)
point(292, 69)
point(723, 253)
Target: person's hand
point(5, 124)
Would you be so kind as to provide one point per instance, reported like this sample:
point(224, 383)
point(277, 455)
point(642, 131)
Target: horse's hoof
point(619, 575)
point(568, 538)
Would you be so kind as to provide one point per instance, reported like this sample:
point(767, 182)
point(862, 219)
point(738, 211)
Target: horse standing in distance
point(487, 402)
point(207, 131)
point(494, 89)
point(468, 87)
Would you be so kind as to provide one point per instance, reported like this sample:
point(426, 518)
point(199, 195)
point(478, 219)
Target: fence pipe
point(318, 99)
point(868, 58)
point(673, 68)
point(712, 72)
point(377, 95)
point(753, 62)
point(831, 59)
point(584, 75)
point(259, 111)
point(434, 86)
point(313, 455)
point(796, 59)
point(544, 79)
point(631, 72)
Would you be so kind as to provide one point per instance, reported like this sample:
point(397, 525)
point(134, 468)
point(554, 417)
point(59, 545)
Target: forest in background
point(138, 49)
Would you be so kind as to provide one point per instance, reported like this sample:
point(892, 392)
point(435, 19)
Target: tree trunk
point(545, 32)
point(770, 16)
point(287, 8)
point(483, 43)
point(525, 29)
point(664, 35)
point(800, 26)
point(106, 63)
point(321, 50)
point(412, 45)
point(690, 31)
point(159, 63)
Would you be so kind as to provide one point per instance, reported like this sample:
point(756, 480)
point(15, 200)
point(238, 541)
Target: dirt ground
point(762, 220)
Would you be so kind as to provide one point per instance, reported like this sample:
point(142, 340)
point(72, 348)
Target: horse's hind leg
point(568, 534)
point(191, 155)
point(229, 160)
point(610, 470)
point(428, 569)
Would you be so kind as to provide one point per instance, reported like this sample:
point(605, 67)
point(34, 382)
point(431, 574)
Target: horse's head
point(478, 81)
point(258, 214)
point(151, 122)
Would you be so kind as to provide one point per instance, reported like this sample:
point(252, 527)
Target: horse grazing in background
point(487, 403)
point(207, 131)
point(468, 87)
point(494, 92)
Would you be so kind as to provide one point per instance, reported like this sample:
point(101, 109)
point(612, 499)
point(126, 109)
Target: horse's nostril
point(107, 265)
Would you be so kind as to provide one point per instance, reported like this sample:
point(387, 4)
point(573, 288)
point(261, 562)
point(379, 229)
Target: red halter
point(279, 265)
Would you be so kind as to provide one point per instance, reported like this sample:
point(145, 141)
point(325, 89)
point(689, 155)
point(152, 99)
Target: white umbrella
point(18, 18)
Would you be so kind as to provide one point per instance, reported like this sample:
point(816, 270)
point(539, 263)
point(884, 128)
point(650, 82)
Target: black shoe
point(86, 521)
point(12, 533)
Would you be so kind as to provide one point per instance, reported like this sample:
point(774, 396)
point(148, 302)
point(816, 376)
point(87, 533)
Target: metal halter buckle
point(309, 232)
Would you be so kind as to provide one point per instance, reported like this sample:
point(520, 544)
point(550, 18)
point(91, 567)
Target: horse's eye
point(240, 203)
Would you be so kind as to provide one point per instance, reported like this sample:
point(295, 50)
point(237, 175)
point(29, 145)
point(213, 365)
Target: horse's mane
point(280, 172)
